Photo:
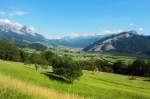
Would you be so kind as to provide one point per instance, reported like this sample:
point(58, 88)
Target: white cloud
point(141, 29)
point(2, 13)
point(52, 36)
point(18, 13)
point(105, 32)
point(8, 25)
point(72, 35)
point(118, 31)
point(131, 24)
point(84, 35)
point(13, 13)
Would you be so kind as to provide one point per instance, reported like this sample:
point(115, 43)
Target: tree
point(148, 69)
point(103, 65)
point(66, 67)
point(48, 56)
point(8, 50)
point(23, 56)
point(139, 67)
point(37, 46)
point(120, 67)
point(85, 64)
point(37, 60)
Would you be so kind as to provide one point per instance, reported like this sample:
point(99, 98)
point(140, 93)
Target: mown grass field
point(19, 81)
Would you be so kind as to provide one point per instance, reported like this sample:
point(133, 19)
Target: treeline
point(36, 46)
point(138, 67)
point(8, 51)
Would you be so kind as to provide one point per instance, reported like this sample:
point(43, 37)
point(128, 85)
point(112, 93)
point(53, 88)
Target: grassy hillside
point(22, 81)
point(16, 89)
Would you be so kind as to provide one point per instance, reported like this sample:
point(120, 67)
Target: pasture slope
point(19, 81)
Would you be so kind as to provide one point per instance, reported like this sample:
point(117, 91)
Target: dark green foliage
point(103, 65)
point(85, 64)
point(48, 56)
point(88, 65)
point(66, 67)
point(96, 64)
point(140, 67)
point(37, 59)
point(21, 44)
point(23, 56)
point(120, 67)
point(8, 50)
point(148, 69)
point(37, 46)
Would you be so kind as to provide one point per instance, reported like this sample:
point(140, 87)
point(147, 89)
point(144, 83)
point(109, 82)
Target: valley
point(41, 70)
point(74, 49)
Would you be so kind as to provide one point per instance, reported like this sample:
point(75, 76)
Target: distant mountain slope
point(27, 37)
point(17, 31)
point(77, 42)
point(125, 42)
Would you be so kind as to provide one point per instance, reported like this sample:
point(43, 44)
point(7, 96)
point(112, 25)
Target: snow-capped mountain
point(14, 30)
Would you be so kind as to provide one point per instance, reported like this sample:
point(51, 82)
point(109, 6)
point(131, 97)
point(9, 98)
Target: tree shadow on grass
point(29, 67)
point(148, 80)
point(56, 77)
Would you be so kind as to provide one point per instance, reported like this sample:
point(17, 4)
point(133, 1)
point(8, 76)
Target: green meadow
point(19, 81)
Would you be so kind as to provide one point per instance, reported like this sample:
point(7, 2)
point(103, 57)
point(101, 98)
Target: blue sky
point(54, 18)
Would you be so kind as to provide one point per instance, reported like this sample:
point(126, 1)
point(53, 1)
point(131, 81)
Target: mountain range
point(18, 32)
point(129, 42)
